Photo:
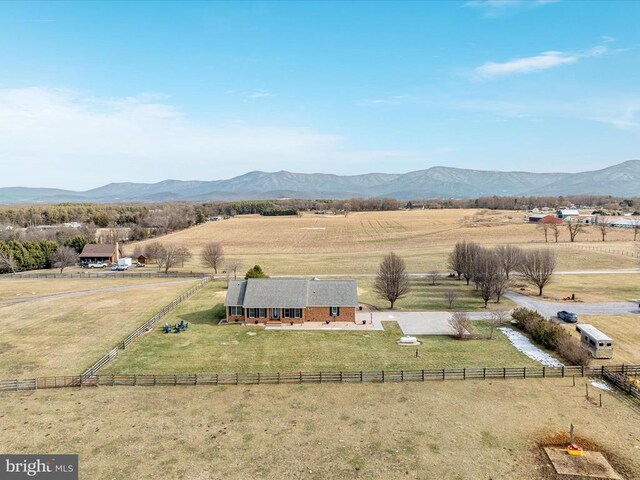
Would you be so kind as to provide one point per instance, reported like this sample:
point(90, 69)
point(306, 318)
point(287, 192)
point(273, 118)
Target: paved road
point(14, 301)
point(550, 309)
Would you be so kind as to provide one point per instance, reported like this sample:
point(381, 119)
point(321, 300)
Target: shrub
point(551, 336)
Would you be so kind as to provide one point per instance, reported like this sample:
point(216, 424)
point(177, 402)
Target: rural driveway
point(550, 309)
point(417, 323)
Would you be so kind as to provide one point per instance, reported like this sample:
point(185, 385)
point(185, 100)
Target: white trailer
point(598, 344)
point(125, 262)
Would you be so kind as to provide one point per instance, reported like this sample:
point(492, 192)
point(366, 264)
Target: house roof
point(98, 250)
point(568, 211)
point(235, 292)
point(292, 293)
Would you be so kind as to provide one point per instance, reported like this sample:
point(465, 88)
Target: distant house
point(101, 252)
point(567, 213)
point(276, 301)
point(536, 217)
point(544, 218)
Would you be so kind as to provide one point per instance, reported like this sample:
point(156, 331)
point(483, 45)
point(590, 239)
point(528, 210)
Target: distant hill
point(436, 182)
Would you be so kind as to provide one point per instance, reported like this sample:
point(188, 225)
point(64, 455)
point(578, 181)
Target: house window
point(286, 313)
point(608, 344)
point(236, 311)
point(262, 312)
point(335, 311)
point(297, 312)
point(252, 313)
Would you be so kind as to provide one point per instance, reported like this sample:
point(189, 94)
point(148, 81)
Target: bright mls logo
point(50, 467)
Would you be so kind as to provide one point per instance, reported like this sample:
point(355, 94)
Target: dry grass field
point(63, 335)
point(589, 288)
point(14, 290)
point(623, 329)
point(318, 244)
point(459, 430)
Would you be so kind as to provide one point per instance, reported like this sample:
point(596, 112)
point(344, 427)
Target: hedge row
point(551, 336)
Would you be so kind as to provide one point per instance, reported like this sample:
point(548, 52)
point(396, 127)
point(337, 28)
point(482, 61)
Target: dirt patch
point(589, 464)
point(5, 347)
point(595, 467)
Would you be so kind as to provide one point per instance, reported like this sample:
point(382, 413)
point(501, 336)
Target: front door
point(275, 313)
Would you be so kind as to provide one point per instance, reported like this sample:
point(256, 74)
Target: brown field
point(66, 334)
point(21, 289)
point(625, 332)
point(451, 430)
point(355, 243)
point(588, 287)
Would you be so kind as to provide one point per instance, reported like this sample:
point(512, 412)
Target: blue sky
point(92, 92)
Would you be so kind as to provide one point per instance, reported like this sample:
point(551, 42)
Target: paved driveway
point(550, 309)
point(417, 323)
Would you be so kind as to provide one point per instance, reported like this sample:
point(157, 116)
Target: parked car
point(97, 265)
point(119, 268)
point(568, 317)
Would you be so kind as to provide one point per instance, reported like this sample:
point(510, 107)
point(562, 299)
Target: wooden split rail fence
point(145, 327)
point(343, 376)
point(622, 381)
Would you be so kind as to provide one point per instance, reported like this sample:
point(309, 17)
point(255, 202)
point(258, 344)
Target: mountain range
point(622, 179)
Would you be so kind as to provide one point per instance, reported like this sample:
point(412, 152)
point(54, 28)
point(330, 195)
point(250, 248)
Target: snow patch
point(601, 385)
point(524, 345)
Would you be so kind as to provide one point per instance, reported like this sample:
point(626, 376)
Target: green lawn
point(209, 347)
point(427, 297)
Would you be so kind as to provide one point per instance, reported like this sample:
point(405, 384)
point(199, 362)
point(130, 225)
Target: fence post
point(464, 373)
point(361, 377)
point(544, 372)
point(563, 371)
point(582, 369)
point(504, 373)
point(443, 374)
point(423, 374)
point(484, 373)
point(382, 376)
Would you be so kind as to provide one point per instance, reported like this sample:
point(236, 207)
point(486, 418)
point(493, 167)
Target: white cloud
point(542, 61)
point(61, 138)
point(259, 94)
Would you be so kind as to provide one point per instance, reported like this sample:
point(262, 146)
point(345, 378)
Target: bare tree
point(233, 266)
point(635, 224)
point(497, 318)
point(213, 255)
point(460, 323)
point(502, 284)
point(468, 252)
point(487, 272)
point(574, 228)
point(152, 250)
point(434, 276)
point(7, 261)
point(603, 226)
point(545, 228)
point(64, 257)
point(509, 256)
point(555, 231)
point(538, 266)
point(456, 258)
point(392, 281)
point(450, 296)
point(168, 256)
point(184, 254)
